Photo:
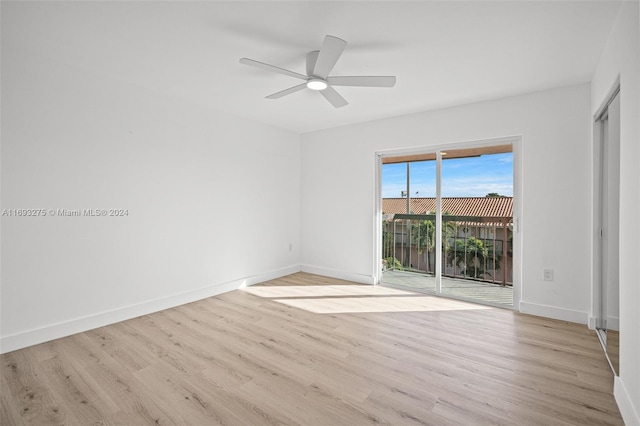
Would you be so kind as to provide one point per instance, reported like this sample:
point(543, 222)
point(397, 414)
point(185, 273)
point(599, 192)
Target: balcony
point(476, 262)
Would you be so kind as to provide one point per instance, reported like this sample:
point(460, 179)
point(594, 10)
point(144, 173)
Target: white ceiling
point(443, 53)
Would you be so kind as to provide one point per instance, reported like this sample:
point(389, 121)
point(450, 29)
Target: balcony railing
point(473, 248)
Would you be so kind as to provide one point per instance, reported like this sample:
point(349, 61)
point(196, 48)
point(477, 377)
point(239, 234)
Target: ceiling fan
point(319, 65)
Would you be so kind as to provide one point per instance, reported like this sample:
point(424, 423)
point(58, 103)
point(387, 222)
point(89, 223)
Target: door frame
point(516, 141)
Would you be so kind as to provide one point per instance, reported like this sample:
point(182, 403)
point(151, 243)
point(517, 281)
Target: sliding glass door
point(447, 223)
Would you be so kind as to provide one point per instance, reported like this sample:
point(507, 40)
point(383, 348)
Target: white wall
point(621, 57)
point(338, 171)
point(213, 200)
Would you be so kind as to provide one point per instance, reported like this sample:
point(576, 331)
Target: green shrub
point(393, 263)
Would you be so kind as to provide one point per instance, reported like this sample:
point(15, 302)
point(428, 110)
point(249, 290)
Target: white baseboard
point(342, 275)
point(613, 323)
point(66, 328)
point(628, 411)
point(554, 312)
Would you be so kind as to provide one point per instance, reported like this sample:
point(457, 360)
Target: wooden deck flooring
point(311, 350)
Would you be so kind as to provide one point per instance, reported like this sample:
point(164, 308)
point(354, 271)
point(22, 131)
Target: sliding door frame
point(516, 143)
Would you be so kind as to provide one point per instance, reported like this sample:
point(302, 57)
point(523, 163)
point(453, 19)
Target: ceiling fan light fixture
point(320, 63)
point(316, 84)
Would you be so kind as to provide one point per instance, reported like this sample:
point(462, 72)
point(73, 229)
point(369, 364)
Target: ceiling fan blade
point(363, 81)
point(333, 97)
point(330, 52)
point(288, 91)
point(252, 63)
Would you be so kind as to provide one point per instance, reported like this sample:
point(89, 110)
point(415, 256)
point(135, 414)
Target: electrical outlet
point(548, 274)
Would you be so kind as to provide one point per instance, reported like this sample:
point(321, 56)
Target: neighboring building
point(500, 207)
point(475, 222)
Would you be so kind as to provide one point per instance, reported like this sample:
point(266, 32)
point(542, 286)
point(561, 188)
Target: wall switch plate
point(548, 274)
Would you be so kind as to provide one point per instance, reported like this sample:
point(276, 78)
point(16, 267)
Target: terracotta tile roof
point(457, 206)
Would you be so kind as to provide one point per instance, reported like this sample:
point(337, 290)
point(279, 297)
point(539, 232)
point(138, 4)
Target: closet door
point(608, 317)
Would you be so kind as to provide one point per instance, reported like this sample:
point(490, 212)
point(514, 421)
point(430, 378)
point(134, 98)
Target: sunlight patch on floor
point(324, 291)
point(341, 305)
point(340, 299)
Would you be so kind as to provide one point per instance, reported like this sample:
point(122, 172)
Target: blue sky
point(461, 177)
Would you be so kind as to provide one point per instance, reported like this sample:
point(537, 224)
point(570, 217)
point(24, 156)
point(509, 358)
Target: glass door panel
point(408, 225)
point(477, 202)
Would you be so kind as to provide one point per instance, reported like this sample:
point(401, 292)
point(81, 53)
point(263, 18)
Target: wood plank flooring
point(311, 350)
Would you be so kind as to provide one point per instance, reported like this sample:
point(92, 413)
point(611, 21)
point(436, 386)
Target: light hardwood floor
point(312, 350)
